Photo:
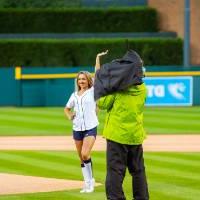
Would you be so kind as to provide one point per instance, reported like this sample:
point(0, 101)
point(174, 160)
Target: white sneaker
point(86, 187)
point(90, 186)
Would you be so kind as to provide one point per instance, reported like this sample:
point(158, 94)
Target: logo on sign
point(169, 90)
point(177, 90)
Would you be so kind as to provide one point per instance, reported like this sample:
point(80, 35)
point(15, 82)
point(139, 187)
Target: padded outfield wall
point(52, 86)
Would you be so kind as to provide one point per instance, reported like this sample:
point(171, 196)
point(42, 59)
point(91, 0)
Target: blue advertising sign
point(169, 91)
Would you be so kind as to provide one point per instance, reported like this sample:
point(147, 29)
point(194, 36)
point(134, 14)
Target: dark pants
point(120, 156)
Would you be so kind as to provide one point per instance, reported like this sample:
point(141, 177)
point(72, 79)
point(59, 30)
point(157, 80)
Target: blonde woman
point(81, 110)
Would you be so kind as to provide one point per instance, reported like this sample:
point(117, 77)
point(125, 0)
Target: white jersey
point(85, 108)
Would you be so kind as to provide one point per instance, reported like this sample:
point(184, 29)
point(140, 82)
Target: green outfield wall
point(196, 90)
point(50, 86)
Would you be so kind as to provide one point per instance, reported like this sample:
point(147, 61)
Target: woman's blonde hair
point(88, 77)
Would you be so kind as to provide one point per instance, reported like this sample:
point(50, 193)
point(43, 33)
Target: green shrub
point(83, 52)
point(78, 20)
point(39, 3)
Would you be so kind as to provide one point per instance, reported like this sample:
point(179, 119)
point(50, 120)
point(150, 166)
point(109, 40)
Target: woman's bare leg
point(88, 143)
point(79, 144)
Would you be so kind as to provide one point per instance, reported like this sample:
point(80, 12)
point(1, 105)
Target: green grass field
point(173, 176)
point(51, 121)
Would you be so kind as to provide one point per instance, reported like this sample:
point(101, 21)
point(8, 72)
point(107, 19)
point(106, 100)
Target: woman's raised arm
point(98, 65)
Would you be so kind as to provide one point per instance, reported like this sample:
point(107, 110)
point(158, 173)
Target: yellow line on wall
point(73, 75)
point(48, 76)
point(19, 75)
point(184, 73)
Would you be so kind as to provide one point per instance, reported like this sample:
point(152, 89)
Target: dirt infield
point(16, 184)
point(178, 143)
point(19, 184)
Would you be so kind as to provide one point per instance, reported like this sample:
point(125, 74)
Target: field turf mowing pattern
point(51, 121)
point(173, 176)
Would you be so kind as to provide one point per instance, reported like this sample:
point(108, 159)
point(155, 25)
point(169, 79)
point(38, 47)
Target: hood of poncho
point(118, 75)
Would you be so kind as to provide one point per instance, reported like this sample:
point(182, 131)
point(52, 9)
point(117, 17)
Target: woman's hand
point(102, 53)
point(71, 115)
point(98, 65)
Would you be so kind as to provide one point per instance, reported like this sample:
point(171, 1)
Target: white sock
point(85, 173)
point(88, 166)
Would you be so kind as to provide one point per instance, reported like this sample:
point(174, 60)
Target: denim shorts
point(80, 135)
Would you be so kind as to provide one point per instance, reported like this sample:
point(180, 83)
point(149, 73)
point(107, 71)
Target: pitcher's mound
point(17, 184)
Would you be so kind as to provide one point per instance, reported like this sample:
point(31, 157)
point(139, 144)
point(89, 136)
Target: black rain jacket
point(118, 75)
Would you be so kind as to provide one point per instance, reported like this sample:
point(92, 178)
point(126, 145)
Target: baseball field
point(51, 121)
point(171, 175)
